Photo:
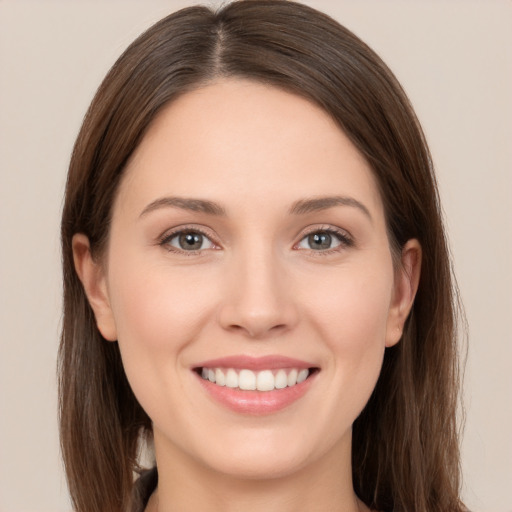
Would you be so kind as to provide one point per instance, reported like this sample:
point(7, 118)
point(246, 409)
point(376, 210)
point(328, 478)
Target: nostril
point(258, 330)
point(255, 313)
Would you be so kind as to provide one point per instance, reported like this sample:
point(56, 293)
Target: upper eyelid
point(168, 235)
point(324, 228)
point(172, 232)
point(345, 239)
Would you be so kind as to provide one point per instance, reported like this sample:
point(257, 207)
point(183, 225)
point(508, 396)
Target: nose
point(258, 299)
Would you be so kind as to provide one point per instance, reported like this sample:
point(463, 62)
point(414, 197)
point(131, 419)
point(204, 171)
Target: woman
point(256, 277)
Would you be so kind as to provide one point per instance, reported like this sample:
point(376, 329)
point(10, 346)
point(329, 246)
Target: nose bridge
point(258, 299)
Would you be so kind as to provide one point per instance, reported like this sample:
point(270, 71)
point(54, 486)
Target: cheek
point(158, 312)
point(157, 306)
point(353, 314)
point(352, 320)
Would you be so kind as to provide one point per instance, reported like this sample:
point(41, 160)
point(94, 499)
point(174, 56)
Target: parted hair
point(405, 453)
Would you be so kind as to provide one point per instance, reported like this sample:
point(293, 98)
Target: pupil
point(320, 241)
point(191, 241)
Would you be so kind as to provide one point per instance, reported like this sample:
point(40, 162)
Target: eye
point(188, 241)
point(324, 240)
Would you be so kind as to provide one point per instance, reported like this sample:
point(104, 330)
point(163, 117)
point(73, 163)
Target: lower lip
point(257, 402)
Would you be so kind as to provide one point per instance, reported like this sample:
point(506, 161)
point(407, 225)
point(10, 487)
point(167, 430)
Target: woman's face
point(248, 246)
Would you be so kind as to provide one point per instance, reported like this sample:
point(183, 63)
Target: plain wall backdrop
point(454, 58)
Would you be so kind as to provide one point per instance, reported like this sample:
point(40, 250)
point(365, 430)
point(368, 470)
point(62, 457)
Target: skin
point(256, 287)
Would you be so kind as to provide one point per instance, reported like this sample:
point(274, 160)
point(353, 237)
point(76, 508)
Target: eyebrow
point(194, 205)
point(301, 207)
point(316, 204)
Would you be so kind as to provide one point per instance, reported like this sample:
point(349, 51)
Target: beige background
point(454, 59)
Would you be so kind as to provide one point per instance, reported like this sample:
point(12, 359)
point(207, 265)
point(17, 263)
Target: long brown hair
point(405, 447)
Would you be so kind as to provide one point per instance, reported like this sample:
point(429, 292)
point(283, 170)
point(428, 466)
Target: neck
point(186, 485)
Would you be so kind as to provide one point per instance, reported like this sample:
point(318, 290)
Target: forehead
point(238, 138)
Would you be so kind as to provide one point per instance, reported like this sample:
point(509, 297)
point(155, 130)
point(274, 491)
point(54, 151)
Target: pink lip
point(256, 402)
point(255, 363)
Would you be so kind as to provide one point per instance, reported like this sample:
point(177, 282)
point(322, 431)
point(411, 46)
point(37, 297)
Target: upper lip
point(270, 362)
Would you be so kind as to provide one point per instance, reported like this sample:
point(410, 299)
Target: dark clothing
point(143, 488)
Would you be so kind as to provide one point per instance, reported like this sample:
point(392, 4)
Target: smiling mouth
point(256, 385)
point(249, 380)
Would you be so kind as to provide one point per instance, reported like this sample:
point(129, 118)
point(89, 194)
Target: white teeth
point(247, 380)
point(292, 378)
point(220, 379)
point(265, 380)
point(303, 375)
point(281, 379)
point(231, 379)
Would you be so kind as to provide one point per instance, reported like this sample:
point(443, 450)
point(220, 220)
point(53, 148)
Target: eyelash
point(344, 239)
point(166, 238)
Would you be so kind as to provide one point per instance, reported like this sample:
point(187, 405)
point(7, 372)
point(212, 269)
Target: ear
point(92, 276)
point(407, 279)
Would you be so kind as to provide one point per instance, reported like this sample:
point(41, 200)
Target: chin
point(259, 466)
point(266, 454)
